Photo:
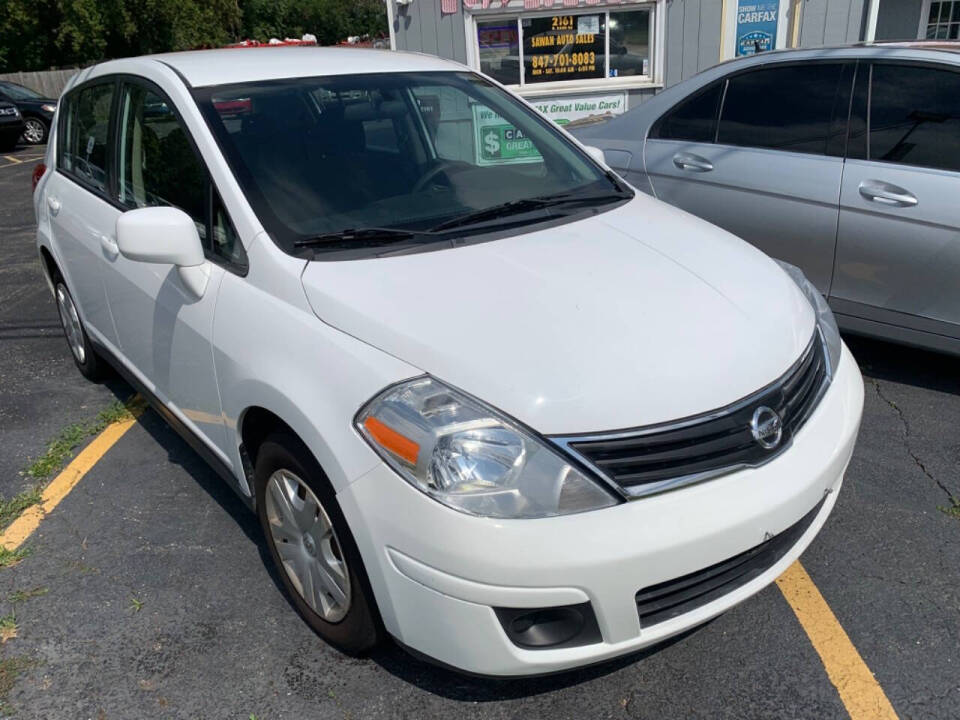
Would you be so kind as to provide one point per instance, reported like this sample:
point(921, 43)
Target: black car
point(11, 126)
point(37, 110)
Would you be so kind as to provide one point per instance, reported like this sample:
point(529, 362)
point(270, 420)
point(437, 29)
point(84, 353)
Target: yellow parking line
point(859, 690)
point(28, 521)
point(15, 161)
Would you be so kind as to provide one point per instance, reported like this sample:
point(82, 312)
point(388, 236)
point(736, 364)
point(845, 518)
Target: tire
point(285, 469)
point(91, 365)
point(35, 131)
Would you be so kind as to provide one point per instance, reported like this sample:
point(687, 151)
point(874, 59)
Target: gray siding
point(898, 19)
point(421, 27)
point(693, 37)
point(831, 22)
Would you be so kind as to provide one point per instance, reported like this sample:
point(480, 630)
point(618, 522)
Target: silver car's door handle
point(886, 194)
point(691, 162)
point(53, 204)
point(109, 246)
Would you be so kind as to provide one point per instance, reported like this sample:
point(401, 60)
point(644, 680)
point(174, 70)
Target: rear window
point(85, 127)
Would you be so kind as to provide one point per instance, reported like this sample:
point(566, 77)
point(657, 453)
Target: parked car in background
point(11, 126)
point(844, 162)
point(37, 110)
point(483, 396)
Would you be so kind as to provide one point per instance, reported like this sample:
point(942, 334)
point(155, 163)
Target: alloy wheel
point(307, 544)
point(33, 131)
point(72, 327)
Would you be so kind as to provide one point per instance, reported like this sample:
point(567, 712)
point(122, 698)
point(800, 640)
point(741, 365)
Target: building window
point(533, 49)
point(943, 22)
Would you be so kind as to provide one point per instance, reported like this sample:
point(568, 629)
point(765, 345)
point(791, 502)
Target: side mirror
point(168, 236)
point(596, 153)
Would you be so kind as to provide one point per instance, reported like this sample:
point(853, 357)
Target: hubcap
point(71, 324)
point(307, 545)
point(33, 131)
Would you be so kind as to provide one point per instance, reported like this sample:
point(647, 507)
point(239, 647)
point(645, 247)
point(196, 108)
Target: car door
point(165, 330)
point(81, 214)
point(759, 153)
point(898, 245)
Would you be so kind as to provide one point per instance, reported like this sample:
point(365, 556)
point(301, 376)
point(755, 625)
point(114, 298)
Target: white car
point(483, 396)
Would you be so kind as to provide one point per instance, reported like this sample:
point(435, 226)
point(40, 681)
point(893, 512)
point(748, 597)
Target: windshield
point(18, 92)
point(394, 152)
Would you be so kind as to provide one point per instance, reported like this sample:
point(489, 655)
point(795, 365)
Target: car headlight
point(471, 457)
point(48, 108)
point(825, 319)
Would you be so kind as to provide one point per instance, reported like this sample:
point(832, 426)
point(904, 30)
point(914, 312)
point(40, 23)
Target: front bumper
point(437, 574)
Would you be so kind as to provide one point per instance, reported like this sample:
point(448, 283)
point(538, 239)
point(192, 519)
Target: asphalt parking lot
point(147, 593)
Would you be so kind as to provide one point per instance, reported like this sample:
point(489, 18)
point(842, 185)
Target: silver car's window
point(693, 119)
point(789, 107)
point(915, 116)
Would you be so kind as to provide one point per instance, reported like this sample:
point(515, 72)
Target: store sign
point(497, 142)
point(757, 26)
point(566, 110)
point(563, 47)
point(500, 5)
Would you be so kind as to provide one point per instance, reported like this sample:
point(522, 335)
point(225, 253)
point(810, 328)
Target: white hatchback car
point(482, 396)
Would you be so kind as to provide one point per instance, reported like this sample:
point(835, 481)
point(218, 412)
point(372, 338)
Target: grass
point(953, 509)
point(20, 596)
point(55, 457)
point(135, 604)
point(8, 628)
point(9, 558)
point(10, 670)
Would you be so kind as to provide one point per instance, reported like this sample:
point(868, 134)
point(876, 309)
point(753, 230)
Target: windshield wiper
point(514, 207)
point(358, 236)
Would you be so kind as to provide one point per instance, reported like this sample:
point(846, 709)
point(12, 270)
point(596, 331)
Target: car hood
point(635, 316)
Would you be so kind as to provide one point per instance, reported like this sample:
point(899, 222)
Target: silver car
point(843, 161)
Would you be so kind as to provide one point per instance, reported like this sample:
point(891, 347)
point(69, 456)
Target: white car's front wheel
point(312, 546)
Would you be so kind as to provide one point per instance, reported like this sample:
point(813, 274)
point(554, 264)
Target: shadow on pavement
point(902, 364)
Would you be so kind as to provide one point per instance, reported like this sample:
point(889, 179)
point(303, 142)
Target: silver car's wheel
point(34, 131)
point(307, 544)
point(72, 327)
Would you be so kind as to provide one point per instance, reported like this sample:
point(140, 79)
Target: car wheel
point(312, 546)
point(91, 365)
point(34, 131)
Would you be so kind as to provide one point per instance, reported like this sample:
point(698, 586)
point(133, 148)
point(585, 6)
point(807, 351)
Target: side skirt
point(191, 438)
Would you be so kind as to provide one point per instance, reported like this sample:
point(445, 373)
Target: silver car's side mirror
point(596, 153)
point(165, 235)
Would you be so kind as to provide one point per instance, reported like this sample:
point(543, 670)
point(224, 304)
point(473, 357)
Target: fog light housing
point(550, 628)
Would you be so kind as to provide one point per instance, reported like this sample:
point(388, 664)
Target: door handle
point(692, 163)
point(887, 194)
point(53, 204)
point(109, 246)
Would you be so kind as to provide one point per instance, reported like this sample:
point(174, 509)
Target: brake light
point(38, 172)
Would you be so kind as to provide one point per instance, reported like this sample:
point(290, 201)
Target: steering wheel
point(442, 167)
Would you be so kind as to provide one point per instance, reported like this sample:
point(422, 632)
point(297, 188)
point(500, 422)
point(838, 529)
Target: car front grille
point(669, 599)
point(650, 460)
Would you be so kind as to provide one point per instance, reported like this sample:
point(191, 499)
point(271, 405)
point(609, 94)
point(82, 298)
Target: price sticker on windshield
point(500, 143)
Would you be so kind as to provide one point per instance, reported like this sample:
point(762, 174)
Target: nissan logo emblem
point(766, 427)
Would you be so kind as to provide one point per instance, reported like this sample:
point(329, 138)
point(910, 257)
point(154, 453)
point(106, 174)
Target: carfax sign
point(756, 26)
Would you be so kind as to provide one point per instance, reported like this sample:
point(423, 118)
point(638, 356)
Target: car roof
point(201, 68)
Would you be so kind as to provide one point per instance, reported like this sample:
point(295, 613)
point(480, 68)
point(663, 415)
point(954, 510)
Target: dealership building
point(575, 58)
